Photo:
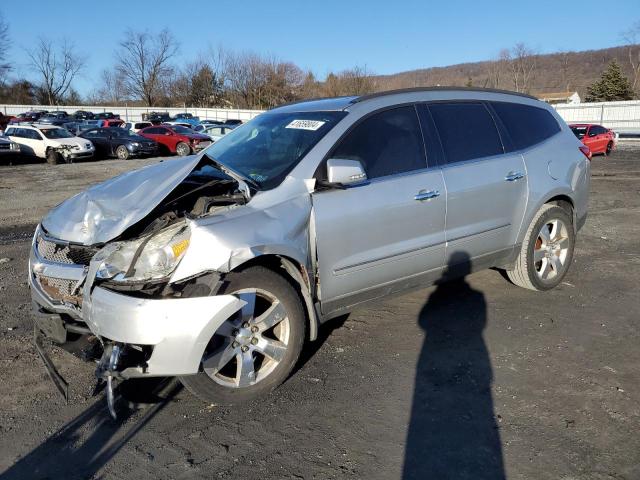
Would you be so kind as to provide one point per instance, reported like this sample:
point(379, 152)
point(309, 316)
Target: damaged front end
point(109, 283)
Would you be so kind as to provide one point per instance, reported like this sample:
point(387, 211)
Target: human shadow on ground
point(88, 442)
point(453, 433)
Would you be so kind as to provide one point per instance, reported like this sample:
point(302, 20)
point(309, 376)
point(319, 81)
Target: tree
point(57, 66)
point(144, 64)
point(20, 92)
point(632, 38)
point(612, 86)
point(497, 68)
point(523, 65)
point(4, 42)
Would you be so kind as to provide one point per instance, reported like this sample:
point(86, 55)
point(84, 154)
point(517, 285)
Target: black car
point(76, 127)
point(233, 121)
point(83, 115)
point(120, 143)
point(105, 116)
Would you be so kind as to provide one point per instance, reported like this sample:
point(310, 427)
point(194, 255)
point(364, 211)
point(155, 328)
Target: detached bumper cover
point(178, 329)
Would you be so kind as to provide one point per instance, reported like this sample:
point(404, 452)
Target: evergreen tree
point(612, 86)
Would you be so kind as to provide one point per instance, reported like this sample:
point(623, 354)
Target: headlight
point(149, 258)
point(134, 144)
point(14, 146)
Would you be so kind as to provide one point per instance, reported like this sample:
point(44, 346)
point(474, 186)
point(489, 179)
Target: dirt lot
point(478, 379)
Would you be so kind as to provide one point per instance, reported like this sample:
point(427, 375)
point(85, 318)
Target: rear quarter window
point(525, 124)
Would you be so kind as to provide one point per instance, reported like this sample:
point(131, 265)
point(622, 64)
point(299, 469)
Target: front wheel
point(183, 149)
point(122, 153)
point(609, 149)
point(254, 350)
point(53, 157)
point(546, 251)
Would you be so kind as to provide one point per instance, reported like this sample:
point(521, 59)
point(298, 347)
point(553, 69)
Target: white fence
point(620, 116)
point(623, 117)
point(134, 114)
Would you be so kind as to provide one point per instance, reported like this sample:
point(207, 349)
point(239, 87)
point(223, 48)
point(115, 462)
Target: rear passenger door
point(486, 187)
point(388, 234)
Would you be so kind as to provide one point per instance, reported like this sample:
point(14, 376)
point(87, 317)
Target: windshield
point(579, 132)
point(268, 147)
point(56, 133)
point(122, 133)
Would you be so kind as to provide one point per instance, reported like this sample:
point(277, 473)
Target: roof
point(342, 103)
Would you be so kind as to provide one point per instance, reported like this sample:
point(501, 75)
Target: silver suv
point(216, 268)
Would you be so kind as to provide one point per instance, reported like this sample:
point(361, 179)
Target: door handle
point(426, 195)
point(513, 176)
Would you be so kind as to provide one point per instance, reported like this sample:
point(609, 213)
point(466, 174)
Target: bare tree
point(565, 69)
point(4, 42)
point(497, 68)
point(57, 65)
point(523, 65)
point(144, 62)
point(632, 38)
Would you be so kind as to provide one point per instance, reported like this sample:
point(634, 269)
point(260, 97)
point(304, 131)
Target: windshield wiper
point(232, 173)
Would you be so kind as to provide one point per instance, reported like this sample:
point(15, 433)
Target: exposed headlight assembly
point(152, 257)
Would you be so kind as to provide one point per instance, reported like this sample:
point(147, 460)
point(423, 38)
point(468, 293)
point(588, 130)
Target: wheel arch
point(297, 274)
point(561, 197)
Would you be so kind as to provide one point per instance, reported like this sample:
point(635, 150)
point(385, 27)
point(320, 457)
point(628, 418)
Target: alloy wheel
point(248, 346)
point(551, 249)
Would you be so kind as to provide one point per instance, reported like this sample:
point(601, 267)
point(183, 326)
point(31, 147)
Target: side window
point(386, 143)
point(526, 125)
point(466, 130)
point(11, 132)
point(90, 133)
point(33, 134)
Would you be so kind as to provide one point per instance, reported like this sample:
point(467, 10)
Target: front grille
point(5, 146)
point(60, 289)
point(64, 253)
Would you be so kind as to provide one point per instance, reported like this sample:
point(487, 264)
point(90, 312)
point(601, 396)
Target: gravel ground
point(476, 379)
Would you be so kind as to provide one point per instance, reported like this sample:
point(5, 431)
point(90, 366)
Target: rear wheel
point(122, 153)
point(255, 350)
point(53, 157)
point(183, 149)
point(546, 251)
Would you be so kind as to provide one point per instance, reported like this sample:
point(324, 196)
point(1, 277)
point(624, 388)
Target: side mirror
point(345, 172)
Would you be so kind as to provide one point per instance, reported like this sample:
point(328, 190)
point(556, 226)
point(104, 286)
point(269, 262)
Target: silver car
point(217, 268)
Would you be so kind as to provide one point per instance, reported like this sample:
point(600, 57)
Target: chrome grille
point(64, 253)
point(60, 289)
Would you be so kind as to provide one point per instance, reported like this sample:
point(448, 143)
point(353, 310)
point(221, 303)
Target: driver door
point(386, 234)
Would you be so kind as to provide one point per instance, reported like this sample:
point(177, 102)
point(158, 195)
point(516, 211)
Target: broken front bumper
point(173, 332)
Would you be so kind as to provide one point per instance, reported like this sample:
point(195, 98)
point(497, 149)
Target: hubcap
point(248, 346)
point(551, 249)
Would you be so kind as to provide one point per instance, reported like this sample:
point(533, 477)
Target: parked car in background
point(187, 118)
point(176, 139)
point(120, 143)
point(75, 127)
point(105, 115)
point(207, 123)
point(598, 138)
point(178, 123)
point(216, 132)
point(216, 268)
point(156, 118)
point(55, 118)
point(31, 116)
point(49, 142)
point(136, 126)
point(8, 148)
point(83, 115)
point(231, 121)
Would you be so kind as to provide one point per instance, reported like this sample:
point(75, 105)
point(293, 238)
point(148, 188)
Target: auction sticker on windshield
point(306, 124)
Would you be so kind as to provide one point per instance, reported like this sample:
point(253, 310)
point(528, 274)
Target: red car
point(596, 137)
point(110, 122)
point(176, 139)
point(4, 120)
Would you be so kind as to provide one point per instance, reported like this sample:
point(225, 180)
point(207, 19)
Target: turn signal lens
point(586, 151)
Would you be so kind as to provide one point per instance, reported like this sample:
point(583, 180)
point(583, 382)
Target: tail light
point(586, 151)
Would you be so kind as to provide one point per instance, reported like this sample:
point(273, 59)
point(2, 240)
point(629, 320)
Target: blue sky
point(386, 36)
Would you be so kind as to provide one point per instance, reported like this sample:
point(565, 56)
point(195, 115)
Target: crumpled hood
point(77, 141)
point(104, 211)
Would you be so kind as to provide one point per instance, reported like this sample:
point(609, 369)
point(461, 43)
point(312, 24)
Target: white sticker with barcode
point(306, 124)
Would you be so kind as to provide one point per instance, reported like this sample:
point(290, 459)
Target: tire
point(609, 149)
point(222, 384)
point(122, 153)
point(182, 149)
point(53, 157)
point(546, 269)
